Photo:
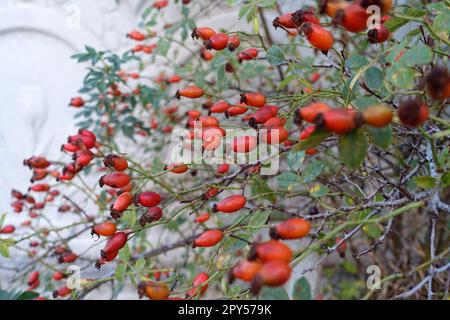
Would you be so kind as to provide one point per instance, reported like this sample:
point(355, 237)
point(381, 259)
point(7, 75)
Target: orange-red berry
point(294, 228)
point(230, 204)
point(413, 113)
point(105, 229)
point(209, 238)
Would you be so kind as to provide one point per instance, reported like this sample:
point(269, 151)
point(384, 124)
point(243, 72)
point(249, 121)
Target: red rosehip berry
point(342, 248)
point(114, 244)
point(203, 218)
point(115, 180)
point(438, 83)
point(230, 204)
point(413, 113)
point(199, 285)
point(203, 33)
point(77, 102)
point(340, 121)
point(272, 274)
point(218, 42)
point(7, 229)
point(294, 228)
point(136, 35)
point(122, 202)
point(62, 292)
point(271, 250)
point(318, 37)
point(105, 229)
point(153, 214)
point(377, 116)
point(244, 144)
point(253, 99)
point(245, 270)
point(233, 43)
point(177, 168)
point(209, 238)
point(192, 92)
point(148, 199)
point(378, 34)
point(116, 162)
point(154, 290)
point(248, 54)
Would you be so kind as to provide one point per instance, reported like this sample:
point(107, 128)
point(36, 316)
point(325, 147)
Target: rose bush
point(337, 134)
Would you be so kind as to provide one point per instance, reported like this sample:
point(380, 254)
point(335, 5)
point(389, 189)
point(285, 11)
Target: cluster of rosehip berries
point(122, 181)
point(155, 290)
point(65, 256)
point(220, 41)
point(353, 17)
point(80, 146)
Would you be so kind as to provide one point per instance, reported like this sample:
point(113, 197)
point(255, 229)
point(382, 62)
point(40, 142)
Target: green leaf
point(312, 171)
point(350, 267)
point(260, 186)
point(28, 295)
point(230, 244)
point(414, 12)
point(275, 56)
point(4, 295)
point(395, 23)
point(401, 77)
point(288, 180)
point(356, 62)
point(139, 265)
point(417, 55)
point(163, 47)
point(124, 253)
point(4, 251)
point(128, 131)
point(129, 217)
point(353, 148)
point(259, 219)
point(252, 14)
point(394, 52)
point(157, 165)
point(314, 140)
point(286, 81)
point(2, 219)
point(382, 137)
point(372, 230)
point(295, 159)
point(442, 24)
point(219, 61)
point(364, 102)
point(243, 11)
point(443, 156)
point(318, 191)
point(373, 78)
point(438, 6)
point(445, 180)
point(302, 290)
point(121, 270)
point(425, 182)
point(278, 293)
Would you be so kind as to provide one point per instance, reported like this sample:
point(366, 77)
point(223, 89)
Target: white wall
point(37, 39)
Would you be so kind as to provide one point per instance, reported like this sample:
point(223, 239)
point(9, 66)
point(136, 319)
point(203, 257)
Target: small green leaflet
point(353, 148)
point(302, 290)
